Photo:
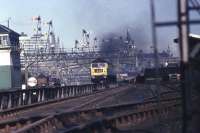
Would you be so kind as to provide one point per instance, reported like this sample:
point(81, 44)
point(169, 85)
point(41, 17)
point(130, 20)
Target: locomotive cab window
point(101, 65)
point(95, 65)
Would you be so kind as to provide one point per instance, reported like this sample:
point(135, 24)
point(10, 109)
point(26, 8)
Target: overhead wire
point(195, 4)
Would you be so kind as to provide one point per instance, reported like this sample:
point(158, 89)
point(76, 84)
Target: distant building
point(147, 60)
point(10, 69)
point(42, 80)
point(38, 43)
point(33, 44)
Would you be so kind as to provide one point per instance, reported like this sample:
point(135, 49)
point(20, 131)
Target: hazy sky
point(97, 16)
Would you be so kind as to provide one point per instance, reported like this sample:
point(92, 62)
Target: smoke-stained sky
point(99, 17)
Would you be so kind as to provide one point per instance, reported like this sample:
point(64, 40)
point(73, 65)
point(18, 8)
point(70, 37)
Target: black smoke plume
point(111, 43)
point(118, 40)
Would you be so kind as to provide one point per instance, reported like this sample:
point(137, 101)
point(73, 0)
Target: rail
point(98, 119)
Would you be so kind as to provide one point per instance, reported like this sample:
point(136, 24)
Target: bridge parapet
point(17, 98)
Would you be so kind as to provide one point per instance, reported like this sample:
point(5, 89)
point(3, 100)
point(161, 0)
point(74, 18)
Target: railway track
point(14, 118)
point(11, 121)
point(9, 126)
point(107, 119)
point(6, 113)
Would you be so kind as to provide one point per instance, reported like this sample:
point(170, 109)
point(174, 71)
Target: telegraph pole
point(183, 24)
point(156, 60)
point(8, 22)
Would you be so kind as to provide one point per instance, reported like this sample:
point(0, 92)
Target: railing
point(16, 98)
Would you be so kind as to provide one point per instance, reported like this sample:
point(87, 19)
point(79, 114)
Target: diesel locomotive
point(102, 71)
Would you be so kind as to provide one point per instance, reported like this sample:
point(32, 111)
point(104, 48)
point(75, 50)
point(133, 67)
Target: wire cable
point(195, 4)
